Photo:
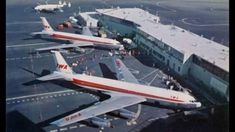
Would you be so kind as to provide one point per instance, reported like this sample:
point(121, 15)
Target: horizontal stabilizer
point(40, 33)
point(52, 76)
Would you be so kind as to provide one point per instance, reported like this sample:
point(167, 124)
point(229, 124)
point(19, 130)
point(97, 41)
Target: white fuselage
point(98, 41)
point(49, 7)
point(164, 95)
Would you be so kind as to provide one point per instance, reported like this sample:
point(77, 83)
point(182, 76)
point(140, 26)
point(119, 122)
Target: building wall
point(186, 66)
point(116, 27)
point(159, 54)
point(209, 79)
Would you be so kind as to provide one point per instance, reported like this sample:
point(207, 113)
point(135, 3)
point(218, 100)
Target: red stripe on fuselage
point(111, 88)
point(64, 37)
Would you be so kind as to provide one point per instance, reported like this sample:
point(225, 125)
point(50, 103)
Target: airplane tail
point(46, 25)
point(62, 66)
point(64, 3)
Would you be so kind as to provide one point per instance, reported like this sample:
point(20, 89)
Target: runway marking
point(34, 95)
point(203, 25)
point(29, 57)
point(16, 32)
point(153, 78)
point(31, 44)
point(27, 22)
point(22, 99)
point(148, 74)
point(158, 4)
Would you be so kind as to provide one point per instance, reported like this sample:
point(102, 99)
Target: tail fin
point(64, 3)
point(62, 66)
point(46, 25)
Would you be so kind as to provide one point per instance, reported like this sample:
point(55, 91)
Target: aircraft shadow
point(17, 122)
point(107, 73)
point(146, 60)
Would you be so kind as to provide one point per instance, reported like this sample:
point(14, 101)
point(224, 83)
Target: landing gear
point(133, 120)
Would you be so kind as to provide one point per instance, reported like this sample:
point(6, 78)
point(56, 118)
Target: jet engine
point(100, 122)
point(126, 114)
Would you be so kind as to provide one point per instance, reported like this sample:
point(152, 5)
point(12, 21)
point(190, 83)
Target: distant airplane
point(77, 40)
point(122, 94)
point(51, 7)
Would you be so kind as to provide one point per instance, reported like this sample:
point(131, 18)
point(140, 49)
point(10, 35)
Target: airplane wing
point(122, 72)
point(64, 46)
point(115, 102)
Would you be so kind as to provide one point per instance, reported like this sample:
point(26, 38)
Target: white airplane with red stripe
point(122, 94)
point(77, 40)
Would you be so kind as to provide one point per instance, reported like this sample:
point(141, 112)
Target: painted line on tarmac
point(66, 128)
point(31, 44)
point(203, 25)
point(28, 57)
point(148, 74)
point(27, 22)
point(37, 97)
point(34, 95)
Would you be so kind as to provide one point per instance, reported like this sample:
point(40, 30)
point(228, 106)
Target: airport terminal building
point(187, 54)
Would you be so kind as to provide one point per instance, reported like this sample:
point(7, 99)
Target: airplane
point(51, 7)
point(122, 94)
point(77, 40)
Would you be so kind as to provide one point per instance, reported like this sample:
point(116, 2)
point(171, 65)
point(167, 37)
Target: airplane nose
point(198, 104)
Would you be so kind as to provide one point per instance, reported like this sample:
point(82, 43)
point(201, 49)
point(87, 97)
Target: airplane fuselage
point(97, 41)
point(50, 7)
point(176, 98)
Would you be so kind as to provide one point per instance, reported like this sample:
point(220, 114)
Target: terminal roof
point(89, 20)
point(184, 41)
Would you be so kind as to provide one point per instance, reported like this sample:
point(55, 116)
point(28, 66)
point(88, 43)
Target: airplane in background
point(51, 7)
point(123, 93)
point(77, 40)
